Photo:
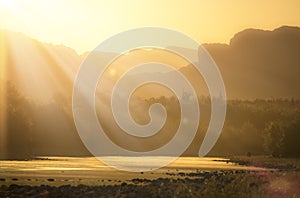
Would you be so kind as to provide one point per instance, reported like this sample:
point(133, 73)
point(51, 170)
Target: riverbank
point(217, 183)
point(228, 183)
point(281, 164)
point(281, 180)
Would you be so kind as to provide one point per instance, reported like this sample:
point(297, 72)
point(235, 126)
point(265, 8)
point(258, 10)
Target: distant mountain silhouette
point(260, 64)
point(255, 64)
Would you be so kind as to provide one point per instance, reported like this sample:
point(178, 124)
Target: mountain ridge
point(255, 64)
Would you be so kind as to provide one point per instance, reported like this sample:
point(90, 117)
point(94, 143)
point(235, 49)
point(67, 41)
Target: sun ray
point(3, 103)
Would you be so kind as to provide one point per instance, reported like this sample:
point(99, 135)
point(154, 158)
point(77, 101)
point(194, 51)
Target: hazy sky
point(82, 25)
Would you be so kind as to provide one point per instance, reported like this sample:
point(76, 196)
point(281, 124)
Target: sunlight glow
point(7, 4)
point(112, 72)
point(3, 120)
point(70, 22)
point(52, 77)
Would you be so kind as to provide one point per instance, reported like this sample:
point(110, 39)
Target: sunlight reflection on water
point(90, 163)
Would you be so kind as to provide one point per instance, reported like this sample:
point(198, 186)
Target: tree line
point(253, 127)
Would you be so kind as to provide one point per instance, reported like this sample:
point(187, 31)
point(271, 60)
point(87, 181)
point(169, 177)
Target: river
point(90, 171)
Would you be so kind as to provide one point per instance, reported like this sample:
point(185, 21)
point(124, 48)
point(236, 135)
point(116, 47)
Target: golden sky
point(82, 25)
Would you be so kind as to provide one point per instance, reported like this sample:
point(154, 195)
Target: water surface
point(89, 170)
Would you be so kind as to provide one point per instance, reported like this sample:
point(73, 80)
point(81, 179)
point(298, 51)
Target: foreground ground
point(281, 180)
